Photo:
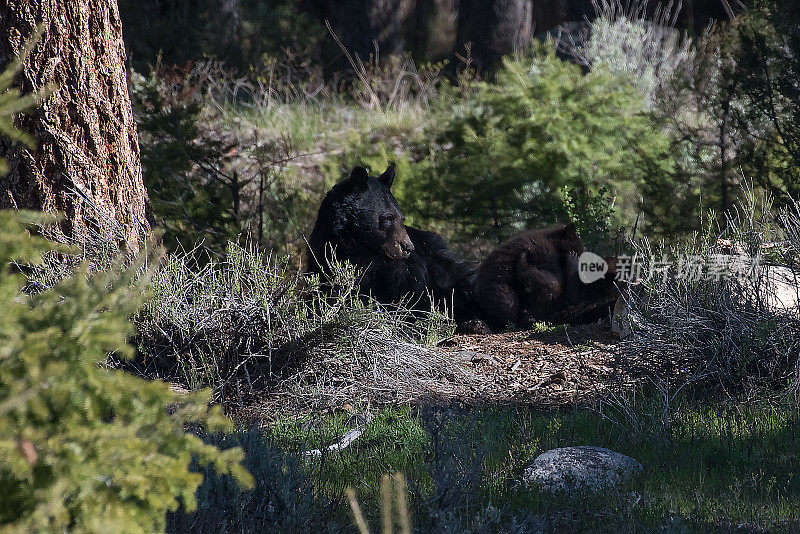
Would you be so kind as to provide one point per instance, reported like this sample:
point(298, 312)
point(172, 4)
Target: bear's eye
point(386, 221)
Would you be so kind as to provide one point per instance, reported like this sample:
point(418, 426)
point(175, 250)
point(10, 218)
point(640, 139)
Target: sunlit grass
point(704, 464)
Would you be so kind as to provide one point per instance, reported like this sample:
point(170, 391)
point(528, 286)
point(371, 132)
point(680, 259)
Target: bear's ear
point(387, 178)
point(569, 231)
point(358, 179)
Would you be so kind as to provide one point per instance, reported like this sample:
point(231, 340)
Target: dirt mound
point(561, 366)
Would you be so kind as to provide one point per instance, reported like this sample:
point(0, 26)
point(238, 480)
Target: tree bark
point(364, 24)
point(494, 28)
point(431, 34)
point(86, 161)
point(232, 17)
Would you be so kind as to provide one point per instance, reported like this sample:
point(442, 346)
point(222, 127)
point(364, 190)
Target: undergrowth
point(252, 326)
point(723, 308)
point(708, 467)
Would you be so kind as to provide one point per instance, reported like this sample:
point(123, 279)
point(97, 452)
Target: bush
point(507, 154)
point(87, 448)
point(627, 45)
point(737, 331)
point(253, 324)
point(594, 218)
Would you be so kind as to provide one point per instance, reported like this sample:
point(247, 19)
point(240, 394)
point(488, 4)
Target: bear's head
point(368, 214)
point(566, 240)
point(554, 249)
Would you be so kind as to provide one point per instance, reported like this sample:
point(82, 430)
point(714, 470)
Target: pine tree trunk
point(494, 28)
point(232, 17)
point(86, 161)
point(363, 25)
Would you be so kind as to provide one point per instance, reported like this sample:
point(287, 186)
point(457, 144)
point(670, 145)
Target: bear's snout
point(399, 246)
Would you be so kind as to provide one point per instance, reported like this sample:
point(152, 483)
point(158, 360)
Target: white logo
point(591, 267)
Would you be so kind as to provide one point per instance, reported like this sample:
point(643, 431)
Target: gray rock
point(572, 469)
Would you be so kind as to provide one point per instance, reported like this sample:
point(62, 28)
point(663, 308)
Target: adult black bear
point(361, 221)
point(535, 277)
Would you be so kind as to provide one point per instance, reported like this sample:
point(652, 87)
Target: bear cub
point(360, 220)
point(535, 277)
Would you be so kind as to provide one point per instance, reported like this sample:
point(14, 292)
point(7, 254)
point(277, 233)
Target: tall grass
point(733, 331)
point(708, 467)
point(255, 328)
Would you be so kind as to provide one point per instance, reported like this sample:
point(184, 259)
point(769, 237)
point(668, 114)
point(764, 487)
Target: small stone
point(472, 356)
point(572, 469)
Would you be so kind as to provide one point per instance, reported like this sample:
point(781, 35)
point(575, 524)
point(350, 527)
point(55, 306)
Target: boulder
point(779, 290)
point(571, 469)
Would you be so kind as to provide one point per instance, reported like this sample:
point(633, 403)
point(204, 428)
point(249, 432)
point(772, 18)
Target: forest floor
point(709, 465)
point(548, 367)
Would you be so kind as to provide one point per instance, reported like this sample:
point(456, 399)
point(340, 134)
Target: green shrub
point(194, 196)
point(83, 447)
point(593, 215)
point(503, 160)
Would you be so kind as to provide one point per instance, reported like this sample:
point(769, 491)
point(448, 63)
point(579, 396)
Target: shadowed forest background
point(249, 111)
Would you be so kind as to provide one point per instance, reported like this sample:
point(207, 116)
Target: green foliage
point(192, 197)
point(508, 153)
point(83, 447)
point(733, 111)
point(593, 215)
point(767, 68)
point(13, 102)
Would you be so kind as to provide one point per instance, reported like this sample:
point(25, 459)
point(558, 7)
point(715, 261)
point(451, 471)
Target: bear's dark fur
point(361, 221)
point(534, 277)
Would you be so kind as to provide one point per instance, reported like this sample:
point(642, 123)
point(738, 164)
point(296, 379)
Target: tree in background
point(493, 29)
point(732, 110)
point(768, 70)
point(238, 32)
point(86, 164)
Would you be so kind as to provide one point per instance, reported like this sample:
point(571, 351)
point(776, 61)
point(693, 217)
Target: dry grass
point(732, 332)
point(266, 337)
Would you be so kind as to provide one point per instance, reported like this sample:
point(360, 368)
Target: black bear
point(535, 277)
point(361, 221)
